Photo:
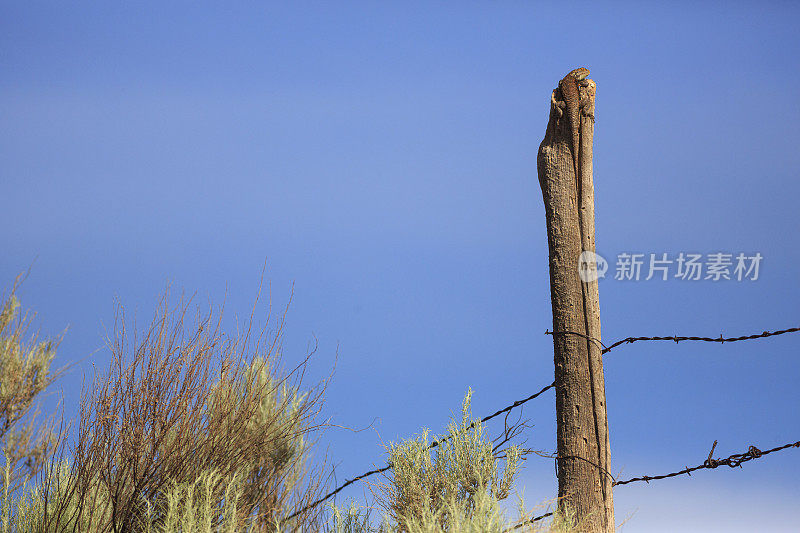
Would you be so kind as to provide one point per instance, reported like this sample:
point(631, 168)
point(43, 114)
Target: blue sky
point(382, 157)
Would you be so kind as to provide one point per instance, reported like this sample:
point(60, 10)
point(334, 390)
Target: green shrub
point(25, 373)
point(455, 484)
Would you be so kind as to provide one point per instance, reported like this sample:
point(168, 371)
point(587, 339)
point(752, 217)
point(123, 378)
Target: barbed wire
point(526, 522)
point(675, 338)
point(605, 349)
point(732, 461)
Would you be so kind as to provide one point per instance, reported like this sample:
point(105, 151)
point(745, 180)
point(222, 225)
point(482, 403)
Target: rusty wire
point(605, 349)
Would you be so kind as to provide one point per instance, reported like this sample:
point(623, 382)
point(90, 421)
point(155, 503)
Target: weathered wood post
point(584, 483)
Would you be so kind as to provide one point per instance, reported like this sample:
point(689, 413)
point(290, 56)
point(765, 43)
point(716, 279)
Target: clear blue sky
point(382, 157)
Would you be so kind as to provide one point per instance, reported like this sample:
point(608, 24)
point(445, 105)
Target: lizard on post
point(572, 104)
point(584, 457)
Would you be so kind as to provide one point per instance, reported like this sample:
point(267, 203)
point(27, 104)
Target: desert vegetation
point(193, 430)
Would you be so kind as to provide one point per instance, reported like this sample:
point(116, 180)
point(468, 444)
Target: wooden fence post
point(584, 482)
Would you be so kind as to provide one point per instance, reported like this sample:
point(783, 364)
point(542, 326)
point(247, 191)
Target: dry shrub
point(180, 404)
